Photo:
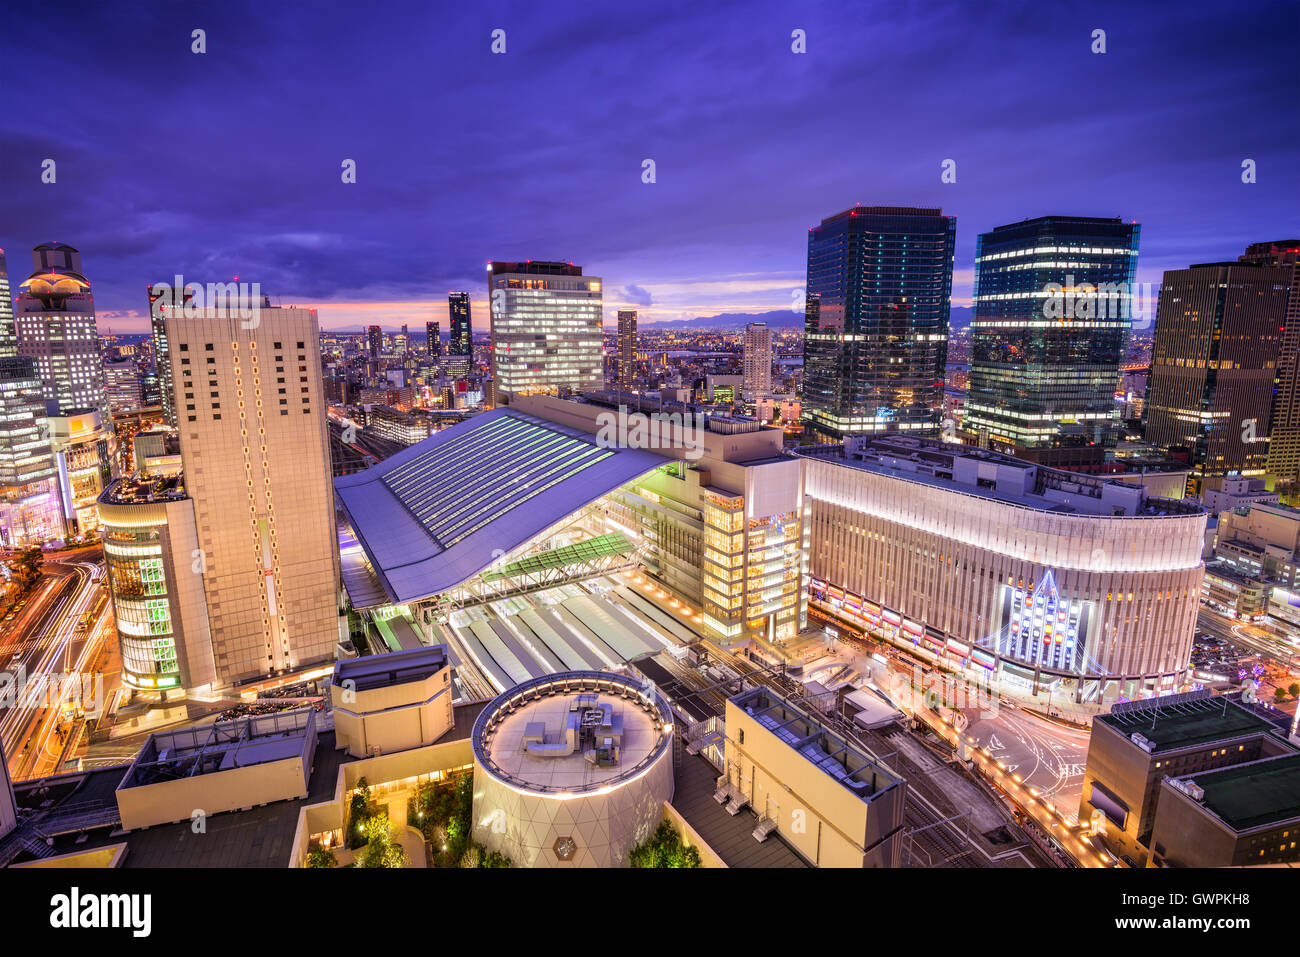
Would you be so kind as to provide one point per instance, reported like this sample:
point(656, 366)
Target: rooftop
point(222, 746)
point(573, 732)
point(1185, 723)
point(70, 805)
point(394, 668)
point(144, 491)
point(432, 516)
point(1253, 795)
point(856, 770)
point(993, 475)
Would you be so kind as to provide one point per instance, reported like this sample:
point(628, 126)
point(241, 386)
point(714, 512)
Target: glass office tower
point(1051, 322)
point(29, 507)
point(876, 321)
point(1220, 329)
point(460, 345)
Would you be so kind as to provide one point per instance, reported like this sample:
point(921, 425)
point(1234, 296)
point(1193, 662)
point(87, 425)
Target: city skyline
point(745, 436)
point(201, 204)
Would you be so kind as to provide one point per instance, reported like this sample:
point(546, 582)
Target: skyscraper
point(29, 507)
point(8, 340)
point(256, 462)
point(55, 324)
point(460, 347)
point(1219, 328)
point(161, 299)
point(757, 359)
point(375, 341)
point(1051, 321)
point(1284, 439)
point(122, 385)
point(433, 339)
point(547, 334)
point(626, 348)
point(876, 320)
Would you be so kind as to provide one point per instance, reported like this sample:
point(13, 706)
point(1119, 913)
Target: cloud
point(637, 295)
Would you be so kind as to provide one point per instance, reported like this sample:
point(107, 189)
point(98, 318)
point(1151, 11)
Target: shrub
point(320, 857)
point(664, 849)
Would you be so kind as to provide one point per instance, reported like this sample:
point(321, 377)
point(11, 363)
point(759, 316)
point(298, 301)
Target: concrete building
point(1230, 591)
point(1139, 744)
point(397, 425)
point(391, 702)
point(572, 769)
point(156, 452)
point(213, 768)
point(1239, 816)
point(154, 565)
point(1052, 583)
point(1233, 492)
point(547, 332)
point(1261, 540)
point(29, 506)
point(757, 359)
point(122, 383)
point(724, 389)
point(831, 801)
point(54, 318)
point(256, 460)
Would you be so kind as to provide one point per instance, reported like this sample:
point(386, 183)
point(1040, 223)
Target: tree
point(1279, 694)
point(1294, 689)
point(360, 811)
point(320, 857)
point(381, 850)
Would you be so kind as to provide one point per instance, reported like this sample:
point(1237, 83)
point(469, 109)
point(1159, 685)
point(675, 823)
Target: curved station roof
point(432, 516)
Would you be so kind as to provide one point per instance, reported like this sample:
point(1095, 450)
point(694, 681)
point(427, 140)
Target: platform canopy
point(432, 516)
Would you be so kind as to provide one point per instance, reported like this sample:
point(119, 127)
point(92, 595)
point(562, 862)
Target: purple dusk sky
point(228, 163)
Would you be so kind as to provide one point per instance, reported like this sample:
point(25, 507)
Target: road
point(54, 656)
point(1047, 755)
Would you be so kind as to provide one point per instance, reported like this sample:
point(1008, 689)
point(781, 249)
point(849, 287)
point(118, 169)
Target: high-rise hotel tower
point(254, 448)
point(55, 324)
